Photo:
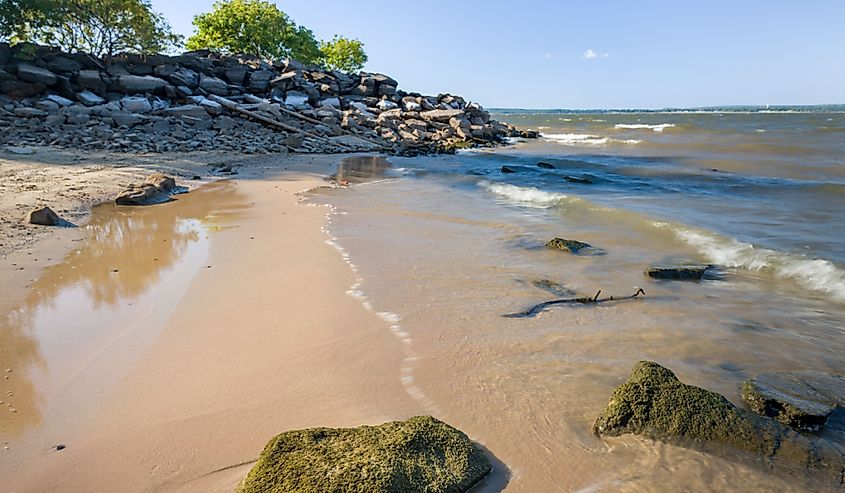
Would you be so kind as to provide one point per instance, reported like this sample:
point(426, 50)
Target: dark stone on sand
point(45, 216)
point(156, 189)
point(571, 246)
point(545, 165)
point(800, 399)
point(420, 454)
point(655, 404)
point(677, 271)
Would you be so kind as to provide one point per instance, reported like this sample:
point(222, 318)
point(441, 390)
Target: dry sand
point(167, 368)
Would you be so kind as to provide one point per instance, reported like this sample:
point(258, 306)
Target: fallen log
point(586, 300)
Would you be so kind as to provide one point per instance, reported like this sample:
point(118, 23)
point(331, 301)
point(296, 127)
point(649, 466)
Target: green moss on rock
point(420, 454)
point(571, 246)
point(654, 403)
point(800, 399)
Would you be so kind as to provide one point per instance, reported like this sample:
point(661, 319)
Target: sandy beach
point(194, 356)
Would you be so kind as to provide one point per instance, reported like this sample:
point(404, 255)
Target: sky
point(588, 54)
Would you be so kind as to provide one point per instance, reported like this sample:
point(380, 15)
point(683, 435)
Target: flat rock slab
point(571, 246)
point(678, 271)
point(655, 404)
point(156, 189)
point(420, 454)
point(801, 399)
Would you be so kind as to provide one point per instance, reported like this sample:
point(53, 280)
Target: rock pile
point(174, 103)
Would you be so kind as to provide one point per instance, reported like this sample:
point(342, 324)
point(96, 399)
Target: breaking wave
point(586, 139)
point(530, 196)
point(659, 127)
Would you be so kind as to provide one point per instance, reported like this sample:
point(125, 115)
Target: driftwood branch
point(586, 300)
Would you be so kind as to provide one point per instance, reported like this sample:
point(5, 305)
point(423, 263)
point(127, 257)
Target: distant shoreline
point(740, 109)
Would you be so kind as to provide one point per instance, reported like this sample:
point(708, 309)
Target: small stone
point(571, 246)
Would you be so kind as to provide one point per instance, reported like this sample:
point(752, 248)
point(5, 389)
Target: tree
point(343, 54)
point(254, 27)
point(99, 27)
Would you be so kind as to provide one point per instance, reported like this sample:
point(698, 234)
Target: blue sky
point(589, 54)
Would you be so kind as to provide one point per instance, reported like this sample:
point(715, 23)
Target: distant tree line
point(104, 28)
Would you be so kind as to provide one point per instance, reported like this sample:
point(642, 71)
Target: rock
point(801, 399)
point(442, 116)
point(213, 85)
point(136, 104)
point(124, 119)
point(191, 110)
point(20, 89)
point(545, 165)
point(260, 80)
point(236, 75)
point(63, 64)
point(655, 404)
point(571, 246)
point(88, 98)
point(213, 108)
point(296, 99)
point(92, 80)
point(355, 142)
point(133, 84)
point(553, 287)
point(59, 100)
point(156, 189)
point(46, 217)
point(507, 169)
point(31, 73)
point(29, 112)
point(420, 454)
point(677, 271)
point(574, 179)
point(20, 151)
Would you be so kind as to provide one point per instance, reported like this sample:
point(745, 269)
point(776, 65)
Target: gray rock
point(45, 216)
point(442, 116)
point(59, 100)
point(225, 123)
point(92, 80)
point(386, 104)
point(156, 189)
point(20, 150)
point(133, 84)
point(212, 107)
point(191, 110)
point(136, 104)
point(63, 64)
point(123, 119)
point(30, 112)
point(801, 399)
point(236, 75)
point(260, 79)
point(296, 99)
point(21, 89)
point(88, 98)
point(31, 73)
point(55, 121)
point(214, 85)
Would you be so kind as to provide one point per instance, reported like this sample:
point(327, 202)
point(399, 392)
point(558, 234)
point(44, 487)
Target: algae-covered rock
point(677, 271)
point(420, 454)
point(801, 399)
point(655, 404)
point(553, 287)
point(571, 246)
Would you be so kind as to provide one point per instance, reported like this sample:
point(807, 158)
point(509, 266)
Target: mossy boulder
point(420, 454)
point(563, 244)
point(800, 399)
point(655, 404)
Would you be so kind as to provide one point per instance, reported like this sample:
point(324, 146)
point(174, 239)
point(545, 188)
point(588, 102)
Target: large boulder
point(420, 454)
point(91, 79)
point(213, 85)
point(655, 404)
point(442, 116)
point(38, 75)
point(156, 189)
point(133, 84)
point(801, 399)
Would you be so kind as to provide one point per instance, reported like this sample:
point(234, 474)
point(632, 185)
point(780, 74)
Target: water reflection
point(99, 290)
point(360, 169)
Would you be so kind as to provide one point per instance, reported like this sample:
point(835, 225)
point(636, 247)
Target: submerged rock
point(571, 246)
point(801, 399)
point(543, 165)
point(553, 287)
point(678, 271)
point(575, 179)
point(420, 454)
point(655, 404)
point(156, 189)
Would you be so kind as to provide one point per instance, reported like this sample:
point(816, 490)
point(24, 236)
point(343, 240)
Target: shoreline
point(222, 374)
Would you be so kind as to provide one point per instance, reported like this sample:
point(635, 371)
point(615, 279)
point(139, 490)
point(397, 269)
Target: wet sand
point(175, 340)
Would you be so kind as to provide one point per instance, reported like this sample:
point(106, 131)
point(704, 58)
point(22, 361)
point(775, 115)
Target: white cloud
point(592, 54)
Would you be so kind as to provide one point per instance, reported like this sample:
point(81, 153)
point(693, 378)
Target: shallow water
point(86, 319)
point(450, 244)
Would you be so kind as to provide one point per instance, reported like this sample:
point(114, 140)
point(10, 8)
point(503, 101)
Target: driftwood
point(256, 100)
point(269, 121)
point(595, 300)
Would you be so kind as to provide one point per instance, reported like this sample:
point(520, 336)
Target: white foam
point(658, 127)
point(818, 275)
point(586, 140)
point(530, 196)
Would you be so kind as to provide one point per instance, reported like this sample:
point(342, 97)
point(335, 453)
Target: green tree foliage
point(254, 27)
point(100, 27)
point(343, 54)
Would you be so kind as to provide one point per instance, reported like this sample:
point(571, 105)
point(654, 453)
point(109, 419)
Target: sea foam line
point(570, 139)
point(530, 196)
point(819, 275)
point(658, 127)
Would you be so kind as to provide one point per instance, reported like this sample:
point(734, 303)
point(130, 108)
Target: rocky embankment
point(204, 101)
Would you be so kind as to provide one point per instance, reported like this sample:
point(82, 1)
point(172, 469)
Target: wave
point(818, 275)
point(659, 127)
point(586, 139)
point(530, 196)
